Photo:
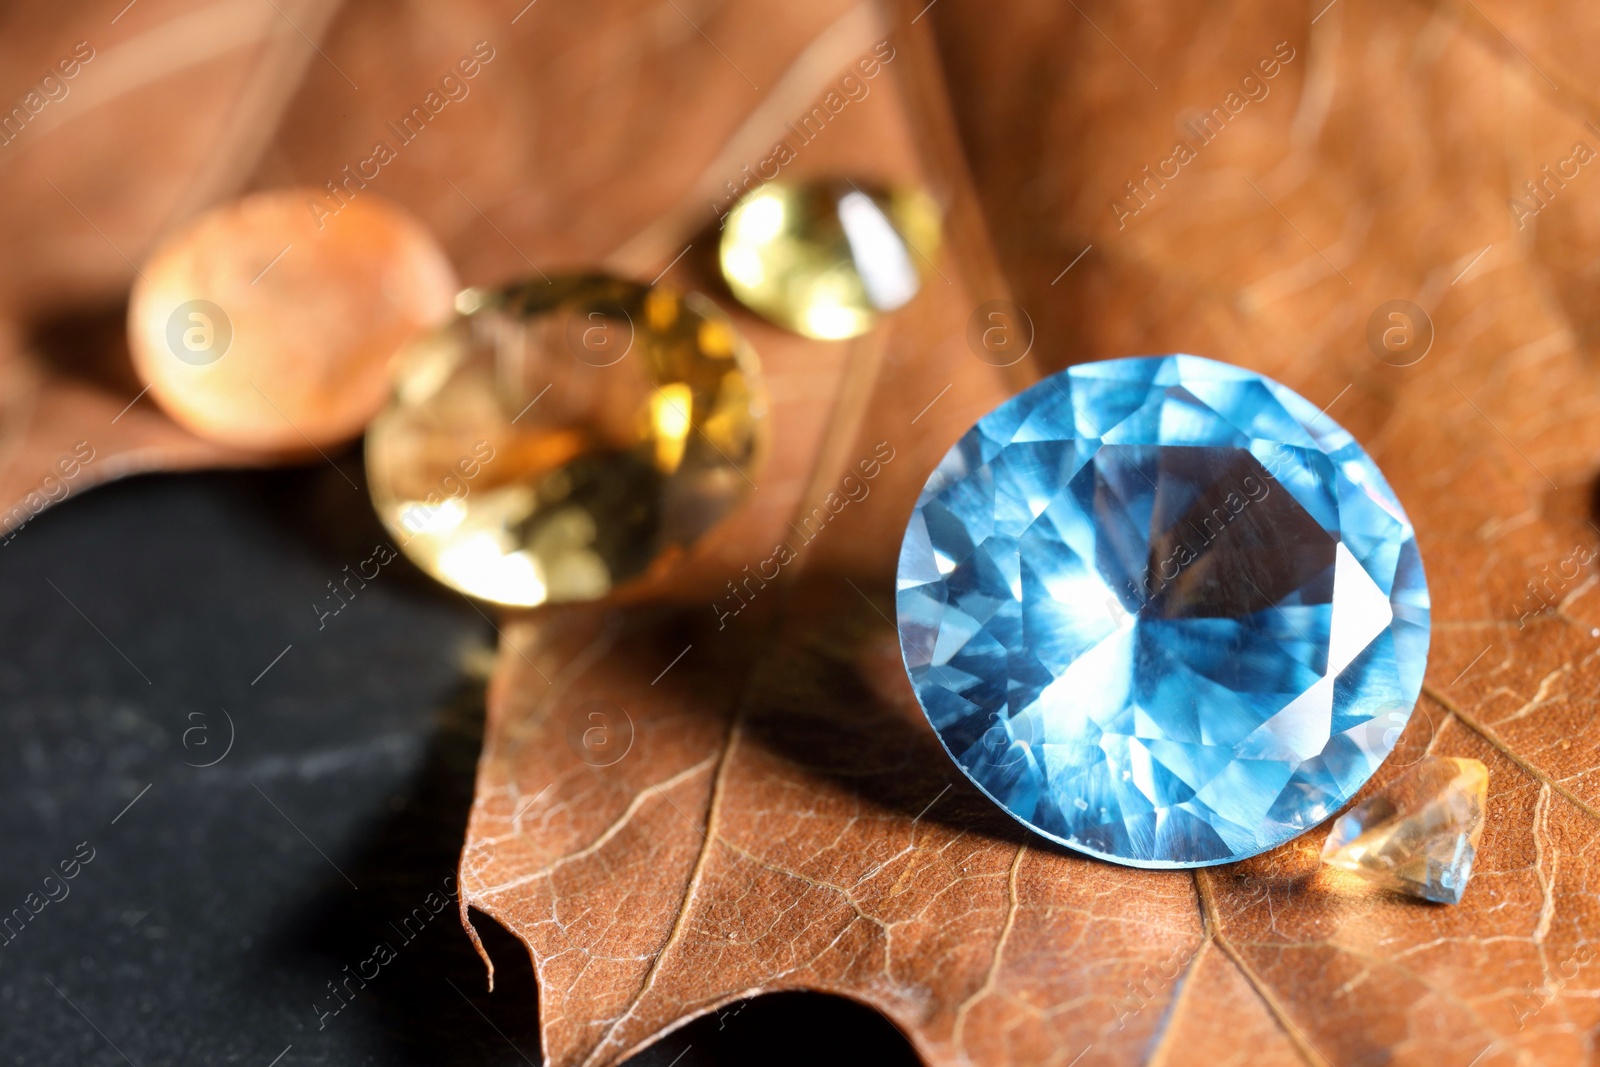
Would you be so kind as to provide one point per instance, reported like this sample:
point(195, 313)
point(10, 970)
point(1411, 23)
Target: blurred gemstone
point(264, 325)
point(1420, 835)
point(559, 438)
point(1163, 610)
point(824, 259)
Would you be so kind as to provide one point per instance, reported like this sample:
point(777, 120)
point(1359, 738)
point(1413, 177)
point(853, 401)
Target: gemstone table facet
point(1420, 835)
point(562, 437)
point(825, 258)
point(1163, 611)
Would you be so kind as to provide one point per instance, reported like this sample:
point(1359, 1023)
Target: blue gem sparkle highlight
point(1163, 610)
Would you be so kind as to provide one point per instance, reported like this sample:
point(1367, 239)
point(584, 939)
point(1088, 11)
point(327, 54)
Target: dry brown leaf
point(167, 107)
point(783, 817)
point(631, 113)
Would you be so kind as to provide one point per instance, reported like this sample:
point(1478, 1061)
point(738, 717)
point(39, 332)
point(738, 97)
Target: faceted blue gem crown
point(1163, 610)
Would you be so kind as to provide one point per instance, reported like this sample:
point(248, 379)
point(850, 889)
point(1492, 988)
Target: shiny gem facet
point(1420, 835)
point(561, 437)
point(1163, 610)
point(825, 258)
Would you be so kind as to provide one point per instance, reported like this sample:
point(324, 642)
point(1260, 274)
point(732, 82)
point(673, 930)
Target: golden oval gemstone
point(559, 438)
point(825, 258)
point(261, 326)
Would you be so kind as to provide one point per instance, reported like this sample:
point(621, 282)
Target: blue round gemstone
point(1163, 610)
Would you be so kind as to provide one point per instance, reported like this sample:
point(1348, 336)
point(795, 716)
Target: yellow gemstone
point(824, 259)
point(560, 438)
point(1420, 835)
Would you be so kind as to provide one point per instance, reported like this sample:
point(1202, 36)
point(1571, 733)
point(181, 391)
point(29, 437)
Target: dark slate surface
point(221, 901)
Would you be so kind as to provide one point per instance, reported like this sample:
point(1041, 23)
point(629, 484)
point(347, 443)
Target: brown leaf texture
point(783, 817)
point(164, 111)
point(630, 112)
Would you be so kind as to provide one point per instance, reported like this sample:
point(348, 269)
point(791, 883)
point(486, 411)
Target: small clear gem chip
point(1420, 835)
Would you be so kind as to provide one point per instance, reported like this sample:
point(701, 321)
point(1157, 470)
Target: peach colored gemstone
point(256, 328)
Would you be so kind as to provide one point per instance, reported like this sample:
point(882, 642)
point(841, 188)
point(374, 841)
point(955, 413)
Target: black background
point(133, 621)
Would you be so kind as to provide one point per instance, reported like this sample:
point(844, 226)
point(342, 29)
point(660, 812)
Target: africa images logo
point(1200, 129)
